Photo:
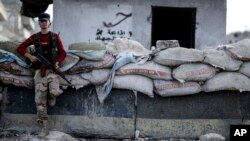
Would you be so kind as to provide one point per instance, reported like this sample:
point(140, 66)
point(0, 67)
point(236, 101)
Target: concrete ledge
point(74, 125)
point(185, 128)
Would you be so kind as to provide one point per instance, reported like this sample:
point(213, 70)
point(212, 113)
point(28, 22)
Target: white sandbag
point(240, 49)
point(149, 69)
point(97, 77)
point(220, 59)
point(69, 61)
point(177, 56)
point(164, 44)
point(87, 46)
point(16, 80)
point(76, 81)
point(14, 68)
point(139, 83)
point(245, 69)
point(124, 45)
point(227, 81)
point(122, 59)
point(87, 65)
point(94, 55)
point(175, 88)
point(194, 72)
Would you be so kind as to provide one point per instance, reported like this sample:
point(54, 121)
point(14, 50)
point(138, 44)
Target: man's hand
point(57, 65)
point(31, 57)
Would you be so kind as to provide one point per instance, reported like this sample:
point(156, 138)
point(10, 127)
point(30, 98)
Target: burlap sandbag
point(17, 80)
point(194, 72)
point(177, 56)
point(97, 77)
point(245, 68)
point(87, 46)
point(227, 81)
point(124, 45)
point(14, 68)
point(69, 61)
point(164, 44)
point(149, 69)
point(87, 65)
point(220, 59)
point(134, 82)
point(175, 88)
point(76, 81)
point(240, 49)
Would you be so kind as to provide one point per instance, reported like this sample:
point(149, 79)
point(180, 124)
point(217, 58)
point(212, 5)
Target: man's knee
point(54, 84)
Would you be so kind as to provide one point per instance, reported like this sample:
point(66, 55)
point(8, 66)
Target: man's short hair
point(44, 16)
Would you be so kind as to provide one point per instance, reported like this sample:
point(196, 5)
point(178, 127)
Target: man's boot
point(45, 131)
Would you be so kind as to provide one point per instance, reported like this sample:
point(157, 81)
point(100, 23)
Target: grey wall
point(78, 112)
point(78, 21)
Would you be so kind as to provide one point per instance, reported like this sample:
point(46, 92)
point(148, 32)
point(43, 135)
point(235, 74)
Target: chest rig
point(49, 51)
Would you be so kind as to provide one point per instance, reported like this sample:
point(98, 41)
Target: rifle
point(50, 65)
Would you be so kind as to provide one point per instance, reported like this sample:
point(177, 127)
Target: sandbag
point(14, 68)
point(194, 72)
point(240, 49)
point(87, 65)
point(76, 81)
point(122, 59)
point(11, 57)
point(227, 81)
point(87, 46)
point(175, 88)
point(95, 55)
point(16, 80)
point(124, 45)
point(164, 44)
point(140, 83)
point(69, 61)
point(220, 58)
point(177, 56)
point(149, 69)
point(245, 69)
point(97, 77)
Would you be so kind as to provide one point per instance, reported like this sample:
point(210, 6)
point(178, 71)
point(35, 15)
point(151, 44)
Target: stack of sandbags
point(221, 68)
point(172, 70)
point(92, 56)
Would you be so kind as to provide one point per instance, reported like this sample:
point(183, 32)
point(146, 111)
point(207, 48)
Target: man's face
point(44, 23)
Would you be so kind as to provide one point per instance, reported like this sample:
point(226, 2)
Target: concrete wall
point(84, 20)
point(78, 112)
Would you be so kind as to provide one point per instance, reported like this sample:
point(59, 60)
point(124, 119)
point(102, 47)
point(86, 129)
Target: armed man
point(50, 47)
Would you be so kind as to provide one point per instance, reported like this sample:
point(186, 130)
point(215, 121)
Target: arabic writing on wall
point(110, 30)
point(110, 35)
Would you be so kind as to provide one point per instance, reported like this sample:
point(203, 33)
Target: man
point(50, 46)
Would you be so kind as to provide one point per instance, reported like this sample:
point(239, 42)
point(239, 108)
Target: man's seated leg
point(54, 88)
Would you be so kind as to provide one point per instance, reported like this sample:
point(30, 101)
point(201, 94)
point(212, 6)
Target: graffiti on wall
point(110, 30)
point(117, 14)
point(111, 34)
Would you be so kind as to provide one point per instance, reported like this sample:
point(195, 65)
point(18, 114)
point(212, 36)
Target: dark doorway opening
point(170, 23)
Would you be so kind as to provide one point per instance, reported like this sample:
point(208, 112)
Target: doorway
point(171, 23)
